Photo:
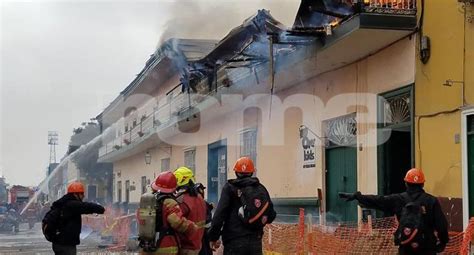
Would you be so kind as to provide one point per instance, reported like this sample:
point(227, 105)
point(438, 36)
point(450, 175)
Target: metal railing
point(160, 117)
point(403, 7)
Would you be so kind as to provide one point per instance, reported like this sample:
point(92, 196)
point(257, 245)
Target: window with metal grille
point(144, 184)
point(397, 110)
point(248, 144)
point(190, 159)
point(119, 191)
point(165, 164)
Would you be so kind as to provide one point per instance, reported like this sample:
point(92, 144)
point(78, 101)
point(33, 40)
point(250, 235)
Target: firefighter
point(171, 220)
point(434, 223)
point(238, 236)
point(72, 207)
point(194, 209)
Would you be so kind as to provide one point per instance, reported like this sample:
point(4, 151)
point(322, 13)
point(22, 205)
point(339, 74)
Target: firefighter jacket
point(394, 203)
point(173, 223)
point(194, 208)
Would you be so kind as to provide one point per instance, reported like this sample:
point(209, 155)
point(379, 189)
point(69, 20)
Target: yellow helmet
point(183, 176)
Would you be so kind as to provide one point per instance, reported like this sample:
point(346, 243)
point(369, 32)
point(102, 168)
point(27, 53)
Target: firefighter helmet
point(415, 176)
point(75, 187)
point(244, 165)
point(183, 176)
point(164, 183)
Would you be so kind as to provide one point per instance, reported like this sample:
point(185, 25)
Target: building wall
point(438, 151)
point(438, 107)
point(279, 164)
point(389, 69)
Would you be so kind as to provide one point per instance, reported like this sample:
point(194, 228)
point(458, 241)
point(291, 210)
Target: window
point(248, 144)
point(397, 110)
point(190, 159)
point(341, 131)
point(119, 191)
point(165, 164)
point(144, 184)
point(127, 191)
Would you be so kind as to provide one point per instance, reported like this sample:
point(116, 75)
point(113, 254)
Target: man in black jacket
point(435, 223)
point(72, 207)
point(236, 236)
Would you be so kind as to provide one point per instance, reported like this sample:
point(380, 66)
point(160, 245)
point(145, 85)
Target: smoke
point(202, 19)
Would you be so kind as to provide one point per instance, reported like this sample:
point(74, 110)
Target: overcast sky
point(63, 62)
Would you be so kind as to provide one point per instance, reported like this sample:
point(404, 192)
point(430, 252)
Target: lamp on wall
point(147, 158)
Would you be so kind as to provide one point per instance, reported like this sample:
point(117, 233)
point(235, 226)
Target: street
point(32, 242)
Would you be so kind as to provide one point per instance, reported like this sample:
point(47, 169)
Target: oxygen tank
point(147, 221)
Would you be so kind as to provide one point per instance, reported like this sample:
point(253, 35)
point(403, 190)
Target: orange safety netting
point(111, 224)
point(372, 237)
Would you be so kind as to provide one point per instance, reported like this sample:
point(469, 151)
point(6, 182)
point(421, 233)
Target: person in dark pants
point(238, 238)
point(434, 221)
point(72, 207)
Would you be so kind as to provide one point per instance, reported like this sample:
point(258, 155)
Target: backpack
point(256, 206)
point(159, 212)
point(159, 226)
point(50, 223)
point(410, 233)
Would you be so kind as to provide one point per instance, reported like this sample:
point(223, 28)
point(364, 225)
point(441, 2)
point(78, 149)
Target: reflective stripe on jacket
point(172, 217)
point(194, 209)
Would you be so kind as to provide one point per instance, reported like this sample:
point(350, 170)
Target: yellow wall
point(436, 150)
point(469, 55)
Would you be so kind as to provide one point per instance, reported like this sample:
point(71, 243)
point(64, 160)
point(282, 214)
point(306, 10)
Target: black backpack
point(159, 211)
point(256, 207)
point(411, 232)
point(159, 227)
point(51, 222)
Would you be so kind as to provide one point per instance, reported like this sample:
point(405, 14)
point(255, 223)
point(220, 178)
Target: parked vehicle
point(9, 221)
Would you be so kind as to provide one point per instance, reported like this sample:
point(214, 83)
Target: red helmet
point(415, 176)
point(164, 183)
point(244, 165)
point(75, 187)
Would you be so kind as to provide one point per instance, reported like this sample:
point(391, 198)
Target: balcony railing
point(178, 103)
point(403, 7)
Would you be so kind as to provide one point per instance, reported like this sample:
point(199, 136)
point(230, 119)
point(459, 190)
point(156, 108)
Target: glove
point(347, 196)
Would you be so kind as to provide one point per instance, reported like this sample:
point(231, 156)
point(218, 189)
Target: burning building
point(319, 106)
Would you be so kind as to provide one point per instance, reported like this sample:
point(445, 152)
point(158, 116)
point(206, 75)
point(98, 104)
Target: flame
point(334, 22)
